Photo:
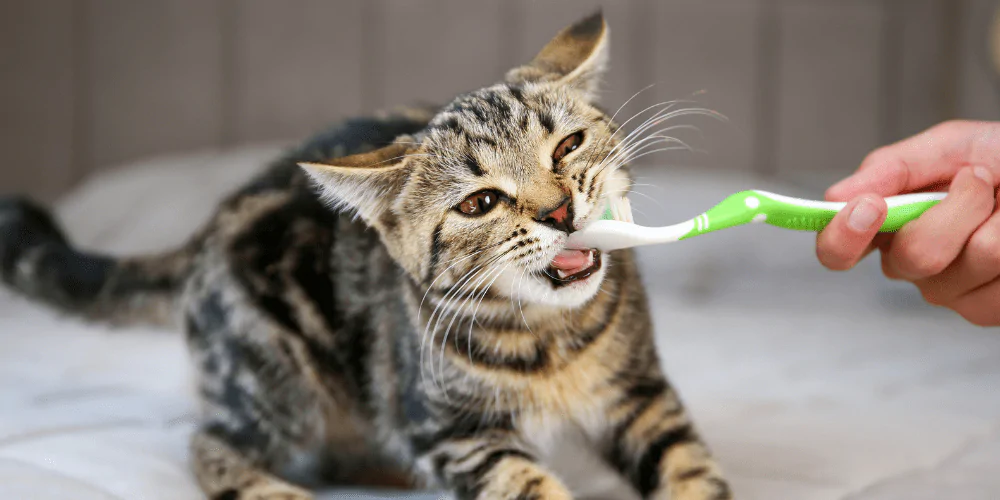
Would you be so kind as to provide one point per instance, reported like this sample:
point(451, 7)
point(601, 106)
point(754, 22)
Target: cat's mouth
point(573, 265)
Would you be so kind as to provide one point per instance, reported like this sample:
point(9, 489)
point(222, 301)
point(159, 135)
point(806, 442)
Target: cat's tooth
point(561, 274)
point(590, 258)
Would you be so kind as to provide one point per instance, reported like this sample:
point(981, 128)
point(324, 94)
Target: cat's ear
point(577, 57)
point(366, 183)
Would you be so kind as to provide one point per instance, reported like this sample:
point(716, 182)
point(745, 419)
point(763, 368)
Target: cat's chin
point(548, 287)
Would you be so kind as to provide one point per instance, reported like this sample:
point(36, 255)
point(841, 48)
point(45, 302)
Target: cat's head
point(485, 196)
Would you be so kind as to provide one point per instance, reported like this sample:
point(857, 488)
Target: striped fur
point(393, 340)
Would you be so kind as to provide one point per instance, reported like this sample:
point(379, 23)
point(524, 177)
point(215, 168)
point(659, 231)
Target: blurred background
point(809, 85)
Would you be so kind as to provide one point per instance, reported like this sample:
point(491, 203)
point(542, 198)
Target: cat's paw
point(23, 225)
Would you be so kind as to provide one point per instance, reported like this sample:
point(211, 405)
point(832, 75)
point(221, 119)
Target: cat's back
point(352, 136)
point(278, 216)
point(277, 220)
point(275, 255)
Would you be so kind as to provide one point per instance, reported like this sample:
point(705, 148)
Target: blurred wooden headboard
point(994, 44)
point(809, 85)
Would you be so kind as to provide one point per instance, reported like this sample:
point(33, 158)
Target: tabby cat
point(391, 304)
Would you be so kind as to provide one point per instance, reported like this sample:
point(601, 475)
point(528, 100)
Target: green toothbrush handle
point(802, 215)
point(815, 216)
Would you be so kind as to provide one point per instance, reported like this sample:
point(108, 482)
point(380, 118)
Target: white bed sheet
point(809, 385)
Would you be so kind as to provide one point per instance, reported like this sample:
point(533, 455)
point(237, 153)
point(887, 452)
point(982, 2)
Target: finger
point(910, 165)
point(848, 237)
point(928, 245)
point(982, 306)
point(978, 264)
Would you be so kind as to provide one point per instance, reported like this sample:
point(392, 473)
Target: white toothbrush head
point(617, 230)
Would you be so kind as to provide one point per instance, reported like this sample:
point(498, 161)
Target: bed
point(809, 385)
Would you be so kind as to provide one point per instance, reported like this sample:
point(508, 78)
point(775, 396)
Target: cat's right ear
point(365, 183)
point(576, 57)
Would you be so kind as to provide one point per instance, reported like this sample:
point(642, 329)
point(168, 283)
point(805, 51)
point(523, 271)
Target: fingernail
point(863, 217)
point(984, 174)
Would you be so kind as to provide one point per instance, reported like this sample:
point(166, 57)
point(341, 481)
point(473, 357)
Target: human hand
point(952, 252)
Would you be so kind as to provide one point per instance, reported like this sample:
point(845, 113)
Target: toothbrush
point(616, 230)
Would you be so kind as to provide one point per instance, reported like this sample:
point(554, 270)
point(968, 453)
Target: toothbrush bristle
point(608, 213)
point(619, 209)
point(626, 210)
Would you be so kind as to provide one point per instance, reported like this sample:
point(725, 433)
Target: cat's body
point(374, 350)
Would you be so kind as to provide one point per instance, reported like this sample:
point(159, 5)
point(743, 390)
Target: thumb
point(848, 237)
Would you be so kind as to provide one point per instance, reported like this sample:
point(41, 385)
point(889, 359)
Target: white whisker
point(637, 144)
point(472, 323)
point(520, 306)
point(455, 289)
point(656, 119)
point(455, 312)
point(668, 104)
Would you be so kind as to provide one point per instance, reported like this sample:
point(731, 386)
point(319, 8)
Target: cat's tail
point(37, 261)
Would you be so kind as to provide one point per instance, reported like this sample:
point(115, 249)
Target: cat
point(391, 303)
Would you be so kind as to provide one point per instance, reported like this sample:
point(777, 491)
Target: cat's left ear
point(576, 57)
point(366, 183)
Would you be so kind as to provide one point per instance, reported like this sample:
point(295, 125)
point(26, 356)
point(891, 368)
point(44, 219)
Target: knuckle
point(949, 127)
point(887, 161)
point(986, 204)
point(835, 257)
point(888, 269)
point(984, 246)
point(982, 201)
point(950, 124)
point(979, 317)
point(884, 154)
point(933, 296)
point(919, 261)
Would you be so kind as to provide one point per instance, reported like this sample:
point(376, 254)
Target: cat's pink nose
point(560, 218)
point(559, 215)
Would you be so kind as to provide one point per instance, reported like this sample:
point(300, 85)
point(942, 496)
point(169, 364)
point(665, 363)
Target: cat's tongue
point(573, 261)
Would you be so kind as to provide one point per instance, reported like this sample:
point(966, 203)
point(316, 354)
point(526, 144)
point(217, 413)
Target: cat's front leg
point(657, 448)
point(491, 467)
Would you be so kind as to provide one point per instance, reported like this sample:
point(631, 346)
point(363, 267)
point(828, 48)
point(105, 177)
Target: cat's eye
point(567, 146)
point(479, 203)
